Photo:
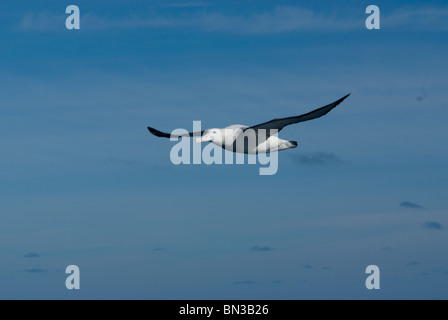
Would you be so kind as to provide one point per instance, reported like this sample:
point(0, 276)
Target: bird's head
point(211, 135)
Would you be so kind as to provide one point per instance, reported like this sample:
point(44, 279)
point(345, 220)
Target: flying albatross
point(237, 138)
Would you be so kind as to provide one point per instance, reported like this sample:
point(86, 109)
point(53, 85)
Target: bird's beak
point(204, 138)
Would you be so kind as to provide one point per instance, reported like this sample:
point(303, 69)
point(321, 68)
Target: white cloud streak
point(414, 18)
point(281, 19)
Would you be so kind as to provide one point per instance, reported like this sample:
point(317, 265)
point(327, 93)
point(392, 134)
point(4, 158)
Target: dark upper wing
point(279, 124)
point(169, 135)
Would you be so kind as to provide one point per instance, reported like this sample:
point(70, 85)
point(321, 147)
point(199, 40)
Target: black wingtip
point(342, 99)
point(157, 133)
point(345, 97)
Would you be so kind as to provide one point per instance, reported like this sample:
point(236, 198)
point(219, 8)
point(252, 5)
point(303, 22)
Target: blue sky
point(84, 183)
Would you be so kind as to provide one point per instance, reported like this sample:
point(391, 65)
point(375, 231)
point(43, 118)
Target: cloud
point(94, 22)
point(421, 18)
point(410, 205)
point(258, 248)
point(316, 159)
point(440, 270)
point(432, 225)
point(32, 255)
point(280, 19)
point(186, 4)
point(413, 263)
point(43, 21)
point(35, 270)
point(245, 282)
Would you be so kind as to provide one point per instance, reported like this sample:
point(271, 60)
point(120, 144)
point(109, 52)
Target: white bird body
point(232, 138)
point(261, 138)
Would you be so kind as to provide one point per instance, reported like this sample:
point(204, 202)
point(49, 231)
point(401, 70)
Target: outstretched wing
point(279, 124)
point(161, 134)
